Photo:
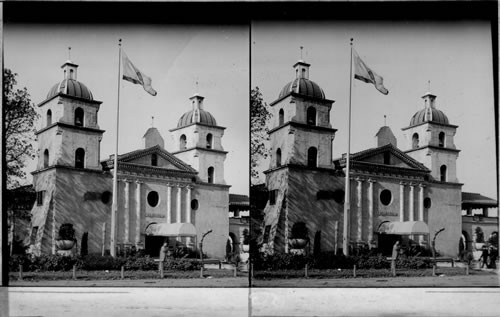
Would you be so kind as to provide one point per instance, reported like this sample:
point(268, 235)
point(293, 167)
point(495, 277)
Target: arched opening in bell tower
point(46, 158)
point(311, 116)
point(49, 117)
point(209, 141)
point(414, 141)
point(79, 117)
point(312, 157)
point(80, 158)
point(442, 170)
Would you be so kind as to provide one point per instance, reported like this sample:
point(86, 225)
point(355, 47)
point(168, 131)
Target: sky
point(456, 57)
point(174, 56)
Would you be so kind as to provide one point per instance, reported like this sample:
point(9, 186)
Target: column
point(412, 202)
point(421, 202)
point(421, 210)
point(178, 204)
point(188, 204)
point(370, 212)
point(359, 213)
point(402, 201)
point(169, 203)
point(138, 213)
point(126, 225)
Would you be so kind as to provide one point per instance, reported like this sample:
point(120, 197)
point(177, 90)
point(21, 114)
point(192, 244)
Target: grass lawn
point(115, 275)
point(360, 273)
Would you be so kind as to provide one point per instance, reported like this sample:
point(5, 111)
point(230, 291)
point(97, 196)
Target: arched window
point(46, 158)
point(209, 141)
point(182, 142)
point(312, 159)
point(278, 157)
point(79, 117)
point(211, 175)
point(71, 74)
point(443, 173)
point(281, 117)
point(415, 141)
point(154, 159)
point(80, 158)
point(311, 116)
point(49, 117)
point(441, 139)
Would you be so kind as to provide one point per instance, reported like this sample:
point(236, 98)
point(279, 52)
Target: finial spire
point(152, 121)
point(429, 86)
point(301, 48)
point(196, 86)
point(69, 53)
point(385, 120)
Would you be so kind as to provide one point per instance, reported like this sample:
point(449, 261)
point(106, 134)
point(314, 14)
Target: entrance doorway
point(386, 243)
point(153, 245)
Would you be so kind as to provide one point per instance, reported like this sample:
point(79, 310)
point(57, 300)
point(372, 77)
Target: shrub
point(94, 262)
point(181, 265)
point(280, 261)
point(328, 260)
point(84, 250)
point(413, 262)
point(66, 232)
point(144, 263)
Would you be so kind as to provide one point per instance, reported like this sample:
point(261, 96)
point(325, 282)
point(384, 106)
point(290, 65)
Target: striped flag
point(364, 73)
point(134, 75)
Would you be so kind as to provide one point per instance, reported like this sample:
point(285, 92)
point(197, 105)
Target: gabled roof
point(130, 156)
point(363, 156)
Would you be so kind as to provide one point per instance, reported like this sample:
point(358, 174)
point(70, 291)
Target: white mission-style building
point(162, 195)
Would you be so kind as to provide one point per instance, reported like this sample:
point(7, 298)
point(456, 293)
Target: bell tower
point(68, 133)
point(197, 140)
point(430, 140)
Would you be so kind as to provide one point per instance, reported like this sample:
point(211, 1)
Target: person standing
point(395, 252)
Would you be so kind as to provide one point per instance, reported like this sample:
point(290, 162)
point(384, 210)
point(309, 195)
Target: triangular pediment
point(144, 157)
point(388, 155)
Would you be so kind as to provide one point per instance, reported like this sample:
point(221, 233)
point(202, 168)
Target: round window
point(106, 197)
point(339, 196)
point(194, 204)
point(153, 199)
point(427, 202)
point(385, 197)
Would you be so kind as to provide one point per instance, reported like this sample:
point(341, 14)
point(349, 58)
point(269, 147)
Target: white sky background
point(455, 56)
point(175, 57)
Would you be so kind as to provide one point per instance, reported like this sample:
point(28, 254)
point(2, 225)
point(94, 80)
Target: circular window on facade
point(339, 196)
point(427, 202)
point(385, 197)
point(194, 204)
point(106, 197)
point(153, 199)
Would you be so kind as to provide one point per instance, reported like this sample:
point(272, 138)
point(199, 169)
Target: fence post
point(201, 271)
point(466, 270)
point(354, 270)
point(434, 269)
point(20, 272)
point(393, 267)
point(220, 264)
point(122, 275)
point(160, 264)
point(74, 272)
point(305, 271)
point(236, 270)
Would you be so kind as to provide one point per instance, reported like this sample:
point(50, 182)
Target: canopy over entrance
point(404, 228)
point(171, 229)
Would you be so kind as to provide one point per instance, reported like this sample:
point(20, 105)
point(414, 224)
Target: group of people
point(490, 253)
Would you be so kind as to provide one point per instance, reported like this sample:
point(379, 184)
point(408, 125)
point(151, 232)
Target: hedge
point(328, 260)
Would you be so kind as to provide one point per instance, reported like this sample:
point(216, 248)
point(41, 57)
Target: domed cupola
point(69, 85)
point(302, 85)
point(429, 113)
point(197, 114)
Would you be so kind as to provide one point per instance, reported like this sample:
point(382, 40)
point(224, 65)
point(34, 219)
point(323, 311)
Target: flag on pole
point(364, 73)
point(134, 75)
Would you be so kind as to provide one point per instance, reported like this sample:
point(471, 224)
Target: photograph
point(127, 154)
point(373, 154)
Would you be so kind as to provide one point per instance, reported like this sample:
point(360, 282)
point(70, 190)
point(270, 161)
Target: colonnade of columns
point(411, 206)
point(128, 208)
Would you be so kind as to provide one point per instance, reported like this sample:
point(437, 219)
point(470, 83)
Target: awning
point(404, 228)
point(171, 229)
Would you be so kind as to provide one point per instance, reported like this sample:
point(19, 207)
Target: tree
point(259, 115)
point(19, 119)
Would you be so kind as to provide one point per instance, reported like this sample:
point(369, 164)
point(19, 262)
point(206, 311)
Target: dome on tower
point(72, 88)
point(69, 85)
point(302, 86)
point(437, 116)
point(197, 115)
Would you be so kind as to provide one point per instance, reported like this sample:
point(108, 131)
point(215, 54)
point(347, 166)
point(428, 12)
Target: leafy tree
point(259, 115)
point(19, 117)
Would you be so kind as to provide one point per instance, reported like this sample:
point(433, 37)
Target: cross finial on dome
point(385, 120)
point(69, 53)
point(152, 121)
point(301, 48)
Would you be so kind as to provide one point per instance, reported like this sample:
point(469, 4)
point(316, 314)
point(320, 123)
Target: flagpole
point(347, 203)
point(115, 164)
